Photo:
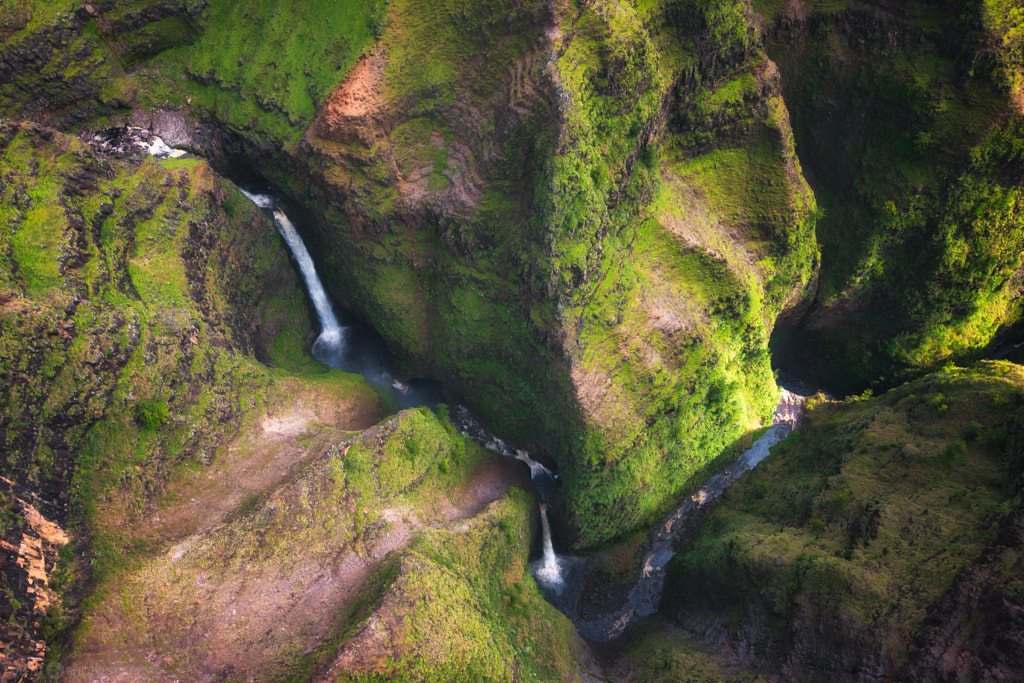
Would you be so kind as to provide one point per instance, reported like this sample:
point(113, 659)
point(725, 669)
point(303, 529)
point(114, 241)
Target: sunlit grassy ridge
point(387, 588)
point(573, 302)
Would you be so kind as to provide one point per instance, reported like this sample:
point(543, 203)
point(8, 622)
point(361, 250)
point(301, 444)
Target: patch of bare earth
point(28, 555)
point(263, 455)
point(796, 9)
point(355, 113)
point(250, 597)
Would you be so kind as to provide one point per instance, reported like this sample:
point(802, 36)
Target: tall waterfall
point(549, 573)
point(331, 331)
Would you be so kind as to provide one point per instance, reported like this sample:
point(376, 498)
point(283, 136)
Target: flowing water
point(353, 347)
point(544, 480)
point(346, 344)
point(601, 616)
point(548, 571)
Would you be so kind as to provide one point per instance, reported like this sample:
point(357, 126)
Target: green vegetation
point(858, 524)
point(528, 254)
point(581, 235)
point(656, 652)
point(425, 582)
point(470, 610)
point(914, 148)
point(256, 67)
point(132, 304)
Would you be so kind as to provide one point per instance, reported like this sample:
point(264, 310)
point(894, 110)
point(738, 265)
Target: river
point(349, 345)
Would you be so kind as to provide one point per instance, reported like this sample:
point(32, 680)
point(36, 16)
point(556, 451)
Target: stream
point(570, 583)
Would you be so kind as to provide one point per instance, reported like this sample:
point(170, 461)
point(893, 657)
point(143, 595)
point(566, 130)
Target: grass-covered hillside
point(883, 539)
point(907, 118)
point(136, 296)
point(399, 554)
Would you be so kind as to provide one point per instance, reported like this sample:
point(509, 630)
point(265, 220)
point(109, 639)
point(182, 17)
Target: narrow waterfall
point(330, 334)
point(352, 346)
point(549, 571)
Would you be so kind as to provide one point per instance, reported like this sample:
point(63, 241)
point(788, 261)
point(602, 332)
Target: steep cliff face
point(134, 296)
point(583, 218)
point(879, 541)
point(908, 120)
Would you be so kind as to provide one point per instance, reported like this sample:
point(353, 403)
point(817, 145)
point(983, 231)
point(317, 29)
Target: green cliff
point(869, 538)
point(907, 119)
point(583, 219)
point(587, 219)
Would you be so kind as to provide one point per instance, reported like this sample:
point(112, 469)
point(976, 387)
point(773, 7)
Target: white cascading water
point(331, 331)
point(549, 573)
point(536, 469)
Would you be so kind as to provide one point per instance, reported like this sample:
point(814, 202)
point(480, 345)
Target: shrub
point(150, 413)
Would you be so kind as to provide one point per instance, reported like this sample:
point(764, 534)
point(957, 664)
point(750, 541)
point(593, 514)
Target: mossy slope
point(379, 560)
point(833, 555)
point(908, 120)
point(498, 207)
point(134, 297)
point(582, 218)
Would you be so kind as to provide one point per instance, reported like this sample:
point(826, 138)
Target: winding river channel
point(349, 345)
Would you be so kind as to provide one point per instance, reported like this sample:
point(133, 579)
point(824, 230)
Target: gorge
point(604, 230)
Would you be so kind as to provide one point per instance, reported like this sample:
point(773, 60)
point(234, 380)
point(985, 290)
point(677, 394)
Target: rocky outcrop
point(355, 111)
point(30, 555)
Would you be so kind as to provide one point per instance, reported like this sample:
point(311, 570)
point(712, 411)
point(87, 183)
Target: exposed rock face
point(30, 545)
point(341, 570)
point(355, 111)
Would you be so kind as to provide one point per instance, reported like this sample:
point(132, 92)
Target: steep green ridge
point(134, 295)
point(378, 560)
point(908, 119)
point(498, 207)
point(583, 218)
point(830, 556)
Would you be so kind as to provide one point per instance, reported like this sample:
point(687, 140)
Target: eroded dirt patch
point(272, 582)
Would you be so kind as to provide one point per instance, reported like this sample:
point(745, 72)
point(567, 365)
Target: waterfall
point(549, 572)
point(536, 469)
point(331, 331)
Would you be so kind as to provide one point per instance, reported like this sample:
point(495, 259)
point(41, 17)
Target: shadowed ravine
point(602, 617)
point(597, 615)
